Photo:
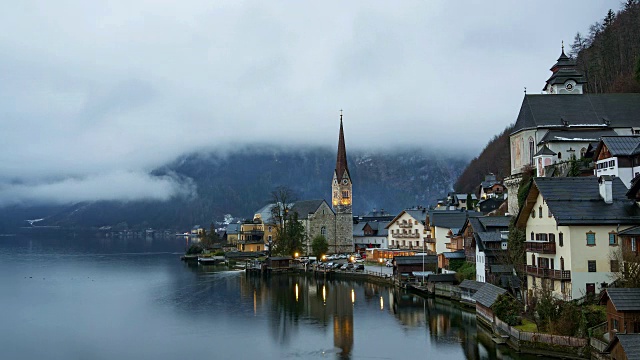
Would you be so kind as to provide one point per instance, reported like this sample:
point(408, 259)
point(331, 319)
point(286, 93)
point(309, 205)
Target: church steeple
point(341, 161)
point(565, 77)
point(341, 183)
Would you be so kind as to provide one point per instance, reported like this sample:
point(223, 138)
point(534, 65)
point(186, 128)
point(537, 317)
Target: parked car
point(359, 267)
point(336, 265)
point(344, 267)
point(389, 263)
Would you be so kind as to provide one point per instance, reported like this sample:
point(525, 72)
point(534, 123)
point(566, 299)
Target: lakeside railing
point(540, 337)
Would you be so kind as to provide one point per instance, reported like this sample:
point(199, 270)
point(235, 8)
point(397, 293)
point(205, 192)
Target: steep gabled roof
point(417, 259)
point(620, 145)
point(577, 201)
point(471, 284)
point(306, 207)
point(416, 214)
point(341, 161)
point(591, 110)
point(448, 219)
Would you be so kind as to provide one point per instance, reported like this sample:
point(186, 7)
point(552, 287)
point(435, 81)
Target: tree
point(608, 19)
point(290, 232)
point(508, 309)
point(625, 267)
point(574, 167)
point(319, 246)
point(470, 204)
point(579, 44)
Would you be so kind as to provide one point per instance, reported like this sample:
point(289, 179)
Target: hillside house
point(485, 244)
point(491, 187)
point(618, 156)
point(445, 229)
point(571, 224)
point(370, 234)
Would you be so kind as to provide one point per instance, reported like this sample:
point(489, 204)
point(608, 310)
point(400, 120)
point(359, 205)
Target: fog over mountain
point(240, 182)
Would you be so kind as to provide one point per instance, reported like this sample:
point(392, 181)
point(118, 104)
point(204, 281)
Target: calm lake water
point(71, 297)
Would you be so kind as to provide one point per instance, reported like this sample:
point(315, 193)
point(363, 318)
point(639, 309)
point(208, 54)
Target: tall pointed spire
point(341, 161)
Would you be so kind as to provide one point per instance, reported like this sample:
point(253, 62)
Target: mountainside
point(241, 182)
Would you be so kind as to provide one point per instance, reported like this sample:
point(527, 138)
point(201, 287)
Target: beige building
point(571, 225)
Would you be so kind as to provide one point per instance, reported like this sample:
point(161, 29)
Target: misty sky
point(95, 95)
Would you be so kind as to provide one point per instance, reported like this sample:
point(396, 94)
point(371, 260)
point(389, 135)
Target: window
point(533, 214)
point(323, 231)
point(540, 212)
point(532, 236)
point(270, 238)
point(591, 238)
point(634, 246)
point(345, 194)
point(591, 265)
point(531, 150)
point(269, 228)
point(559, 155)
point(583, 151)
point(561, 239)
point(561, 263)
point(552, 237)
point(613, 239)
point(258, 247)
point(615, 266)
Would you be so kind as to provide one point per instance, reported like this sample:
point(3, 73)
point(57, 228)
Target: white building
point(407, 230)
point(618, 156)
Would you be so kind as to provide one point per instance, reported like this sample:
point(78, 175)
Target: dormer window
point(540, 212)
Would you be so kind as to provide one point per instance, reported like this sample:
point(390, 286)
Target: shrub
point(508, 309)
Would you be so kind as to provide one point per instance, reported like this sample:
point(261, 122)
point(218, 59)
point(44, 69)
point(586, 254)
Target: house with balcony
point(251, 236)
point(491, 187)
point(407, 231)
point(618, 156)
point(572, 225)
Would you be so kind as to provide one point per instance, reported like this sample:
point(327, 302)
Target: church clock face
point(569, 86)
point(345, 181)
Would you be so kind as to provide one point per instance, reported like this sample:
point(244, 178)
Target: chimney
point(605, 183)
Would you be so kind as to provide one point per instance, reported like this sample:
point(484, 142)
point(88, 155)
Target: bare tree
point(625, 267)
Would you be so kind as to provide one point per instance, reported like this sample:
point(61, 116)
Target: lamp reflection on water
point(381, 303)
point(353, 296)
point(255, 302)
point(324, 294)
point(296, 292)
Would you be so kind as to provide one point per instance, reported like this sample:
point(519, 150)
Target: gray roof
point(448, 219)
point(454, 255)
point(538, 110)
point(488, 294)
point(379, 227)
point(575, 135)
point(266, 214)
point(501, 268)
point(411, 260)
point(630, 344)
point(471, 284)
point(576, 200)
point(306, 207)
point(622, 145)
point(495, 222)
point(544, 151)
point(418, 214)
point(464, 197)
point(625, 299)
point(632, 231)
point(490, 236)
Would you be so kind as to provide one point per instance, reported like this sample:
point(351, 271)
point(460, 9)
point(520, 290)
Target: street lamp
point(380, 261)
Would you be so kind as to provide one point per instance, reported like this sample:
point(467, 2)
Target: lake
point(78, 297)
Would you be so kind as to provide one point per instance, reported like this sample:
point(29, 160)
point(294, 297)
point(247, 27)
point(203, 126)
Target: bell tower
point(341, 199)
point(566, 78)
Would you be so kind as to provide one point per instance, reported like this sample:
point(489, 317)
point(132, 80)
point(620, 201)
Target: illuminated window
point(345, 193)
point(323, 231)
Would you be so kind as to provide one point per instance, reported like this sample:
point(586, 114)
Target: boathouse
point(484, 298)
point(623, 310)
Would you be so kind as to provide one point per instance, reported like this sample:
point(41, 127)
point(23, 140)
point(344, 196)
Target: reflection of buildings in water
point(404, 306)
point(343, 297)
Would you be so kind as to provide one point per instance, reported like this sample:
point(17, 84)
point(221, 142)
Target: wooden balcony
point(406, 236)
point(541, 247)
point(455, 245)
point(548, 273)
point(429, 240)
point(405, 226)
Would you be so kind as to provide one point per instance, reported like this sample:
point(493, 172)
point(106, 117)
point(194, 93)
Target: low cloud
point(117, 185)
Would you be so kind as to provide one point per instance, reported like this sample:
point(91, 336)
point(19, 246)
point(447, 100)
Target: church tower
point(342, 200)
point(566, 78)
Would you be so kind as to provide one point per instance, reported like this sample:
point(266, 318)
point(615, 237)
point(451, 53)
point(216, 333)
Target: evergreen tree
point(319, 246)
point(608, 20)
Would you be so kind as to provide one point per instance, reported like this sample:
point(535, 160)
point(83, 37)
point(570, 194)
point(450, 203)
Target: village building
point(444, 229)
point(318, 220)
point(491, 187)
point(624, 347)
point(407, 231)
point(623, 310)
point(485, 245)
point(571, 225)
point(566, 121)
point(230, 236)
point(489, 206)
point(618, 156)
point(404, 267)
point(445, 259)
point(370, 235)
point(468, 288)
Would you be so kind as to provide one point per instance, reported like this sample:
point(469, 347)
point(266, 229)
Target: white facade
point(610, 166)
point(405, 232)
point(375, 240)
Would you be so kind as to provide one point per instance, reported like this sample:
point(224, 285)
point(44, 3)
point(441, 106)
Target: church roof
point(578, 110)
point(544, 151)
point(341, 161)
point(306, 207)
point(576, 135)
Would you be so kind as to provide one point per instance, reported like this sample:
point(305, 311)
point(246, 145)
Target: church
point(564, 121)
point(334, 221)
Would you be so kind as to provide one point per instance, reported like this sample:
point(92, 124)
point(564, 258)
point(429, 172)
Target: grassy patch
point(527, 326)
